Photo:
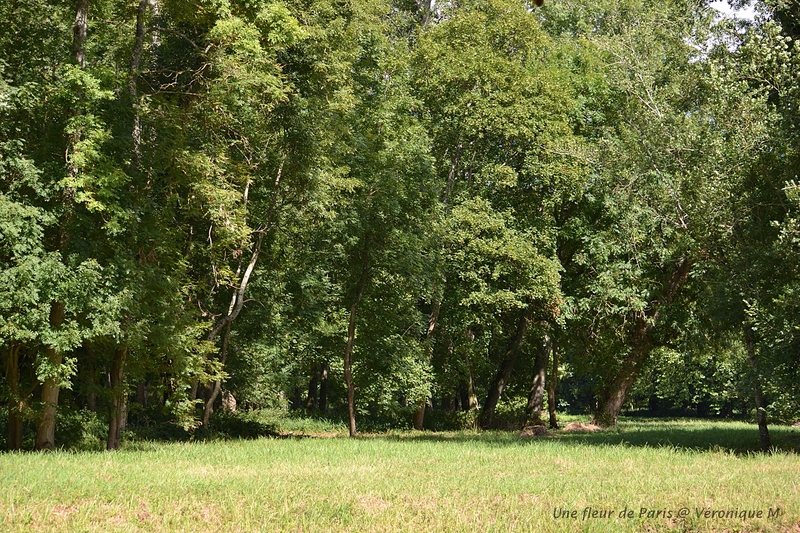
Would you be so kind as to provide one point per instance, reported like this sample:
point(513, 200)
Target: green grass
point(412, 481)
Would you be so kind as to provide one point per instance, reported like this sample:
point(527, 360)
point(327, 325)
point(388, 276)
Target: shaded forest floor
point(646, 474)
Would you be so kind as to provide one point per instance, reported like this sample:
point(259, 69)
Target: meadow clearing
point(644, 476)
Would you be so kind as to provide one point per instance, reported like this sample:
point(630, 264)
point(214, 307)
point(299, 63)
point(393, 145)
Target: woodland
point(395, 214)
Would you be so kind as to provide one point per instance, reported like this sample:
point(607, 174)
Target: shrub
point(80, 430)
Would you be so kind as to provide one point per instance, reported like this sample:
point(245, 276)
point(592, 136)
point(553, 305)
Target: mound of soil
point(533, 431)
point(579, 427)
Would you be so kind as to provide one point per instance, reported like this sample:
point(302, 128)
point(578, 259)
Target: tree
point(498, 108)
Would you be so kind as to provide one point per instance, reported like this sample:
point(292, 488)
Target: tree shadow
point(689, 435)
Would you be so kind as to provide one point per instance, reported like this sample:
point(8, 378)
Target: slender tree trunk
point(297, 399)
point(463, 397)
point(133, 78)
point(118, 410)
point(470, 402)
point(551, 389)
point(215, 390)
point(312, 400)
point(142, 393)
point(641, 345)
point(467, 397)
point(193, 391)
point(419, 415)
point(91, 395)
point(418, 420)
point(761, 404)
point(323, 389)
point(237, 300)
point(504, 371)
point(15, 404)
point(348, 349)
point(536, 396)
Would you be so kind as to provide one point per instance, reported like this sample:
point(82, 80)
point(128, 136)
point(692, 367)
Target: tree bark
point(351, 336)
point(209, 407)
point(15, 404)
point(79, 30)
point(45, 433)
point(504, 371)
point(118, 409)
point(419, 415)
point(133, 77)
point(91, 395)
point(642, 344)
point(237, 299)
point(323, 389)
point(551, 389)
point(142, 392)
point(424, 10)
point(312, 400)
point(424, 7)
point(469, 400)
point(536, 396)
point(761, 404)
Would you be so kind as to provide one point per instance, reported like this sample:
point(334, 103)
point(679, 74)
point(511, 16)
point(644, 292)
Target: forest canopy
point(397, 213)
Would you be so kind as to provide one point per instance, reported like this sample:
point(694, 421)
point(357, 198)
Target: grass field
point(457, 482)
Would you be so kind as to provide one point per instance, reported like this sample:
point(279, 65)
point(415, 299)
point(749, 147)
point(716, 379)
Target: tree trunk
point(611, 405)
point(15, 404)
point(424, 9)
point(312, 400)
point(551, 389)
point(91, 395)
point(297, 399)
point(419, 415)
point(142, 392)
point(323, 389)
point(237, 299)
point(642, 344)
point(614, 397)
point(133, 78)
point(504, 371)
point(209, 408)
point(536, 396)
point(761, 404)
point(348, 349)
point(467, 397)
point(45, 433)
point(118, 410)
point(463, 397)
point(79, 30)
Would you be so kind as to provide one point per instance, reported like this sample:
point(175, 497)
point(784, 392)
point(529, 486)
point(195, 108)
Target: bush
point(80, 430)
point(155, 423)
point(439, 420)
point(510, 413)
point(243, 425)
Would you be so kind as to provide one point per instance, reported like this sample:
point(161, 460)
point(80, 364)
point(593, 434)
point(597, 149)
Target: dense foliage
point(393, 212)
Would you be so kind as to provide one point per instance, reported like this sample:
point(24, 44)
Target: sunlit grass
point(414, 481)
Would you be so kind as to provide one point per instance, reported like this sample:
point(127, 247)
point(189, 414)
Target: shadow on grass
point(691, 435)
